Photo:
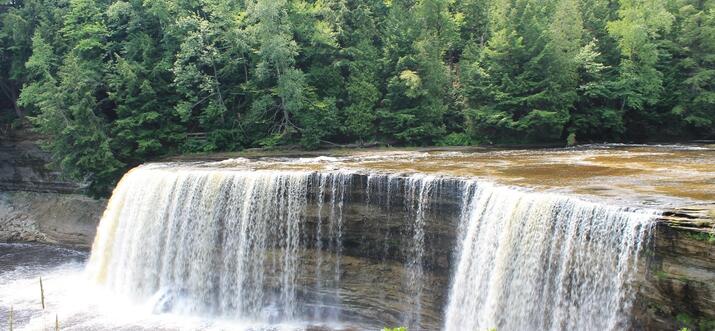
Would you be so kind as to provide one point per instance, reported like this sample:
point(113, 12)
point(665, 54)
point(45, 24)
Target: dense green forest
point(114, 83)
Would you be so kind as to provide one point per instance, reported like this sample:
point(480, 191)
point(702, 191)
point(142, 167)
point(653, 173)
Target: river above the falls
point(656, 175)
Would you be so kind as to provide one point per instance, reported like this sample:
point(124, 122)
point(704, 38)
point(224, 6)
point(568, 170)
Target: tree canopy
point(111, 84)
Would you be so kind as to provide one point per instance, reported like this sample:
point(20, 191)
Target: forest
point(111, 84)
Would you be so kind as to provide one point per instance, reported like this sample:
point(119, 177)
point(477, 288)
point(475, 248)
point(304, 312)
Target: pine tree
point(358, 57)
point(417, 77)
point(511, 95)
point(638, 32)
point(691, 77)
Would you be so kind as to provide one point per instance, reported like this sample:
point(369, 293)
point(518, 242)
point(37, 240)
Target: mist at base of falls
point(211, 248)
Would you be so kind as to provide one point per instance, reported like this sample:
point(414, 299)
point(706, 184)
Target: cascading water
point(269, 246)
point(535, 261)
point(231, 243)
point(217, 242)
point(417, 200)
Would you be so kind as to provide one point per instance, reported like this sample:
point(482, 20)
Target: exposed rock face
point(37, 204)
point(678, 289)
point(376, 249)
point(23, 166)
point(67, 219)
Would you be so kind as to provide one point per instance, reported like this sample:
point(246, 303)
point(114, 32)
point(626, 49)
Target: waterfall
point(205, 241)
point(271, 246)
point(335, 185)
point(233, 243)
point(537, 261)
point(417, 200)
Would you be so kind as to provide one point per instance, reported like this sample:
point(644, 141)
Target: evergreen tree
point(75, 133)
point(19, 21)
point(691, 74)
point(417, 78)
point(638, 31)
point(358, 56)
point(512, 97)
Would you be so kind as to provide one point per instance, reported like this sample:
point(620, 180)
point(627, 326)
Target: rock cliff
point(37, 204)
point(23, 166)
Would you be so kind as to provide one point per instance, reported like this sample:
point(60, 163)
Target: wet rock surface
point(678, 287)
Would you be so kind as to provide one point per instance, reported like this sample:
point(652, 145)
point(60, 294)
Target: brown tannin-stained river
point(660, 175)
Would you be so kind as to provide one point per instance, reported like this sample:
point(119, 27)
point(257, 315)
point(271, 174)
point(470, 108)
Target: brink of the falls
point(272, 246)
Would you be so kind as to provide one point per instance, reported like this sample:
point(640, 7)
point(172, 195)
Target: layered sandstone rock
point(66, 219)
point(23, 166)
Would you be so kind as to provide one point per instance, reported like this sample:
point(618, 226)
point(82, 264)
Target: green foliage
point(112, 84)
point(691, 75)
point(522, 82)
point(684, 318)
point(395, 329)
point(571, 139)
point(701, 236)
point(455, 139)
point(687, 322)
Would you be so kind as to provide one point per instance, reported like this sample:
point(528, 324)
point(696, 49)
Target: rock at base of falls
point(65, 219)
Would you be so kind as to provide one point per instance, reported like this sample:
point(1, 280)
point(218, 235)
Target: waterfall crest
point(536, 261)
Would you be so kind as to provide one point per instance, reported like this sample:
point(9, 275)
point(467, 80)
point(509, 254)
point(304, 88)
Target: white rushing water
point(229, 243)
point(535, 261)
point(211, 242)
point(197, 247)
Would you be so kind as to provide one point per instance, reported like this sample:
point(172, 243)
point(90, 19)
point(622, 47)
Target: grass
point(689, 323)
point(701, 236)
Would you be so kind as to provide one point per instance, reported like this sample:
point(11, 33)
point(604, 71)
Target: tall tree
point(19, 20)
point(70, 105)
point(691, 73)
point(358, 39)
point(638, 32)
point(417, 77)
point(512, 98)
